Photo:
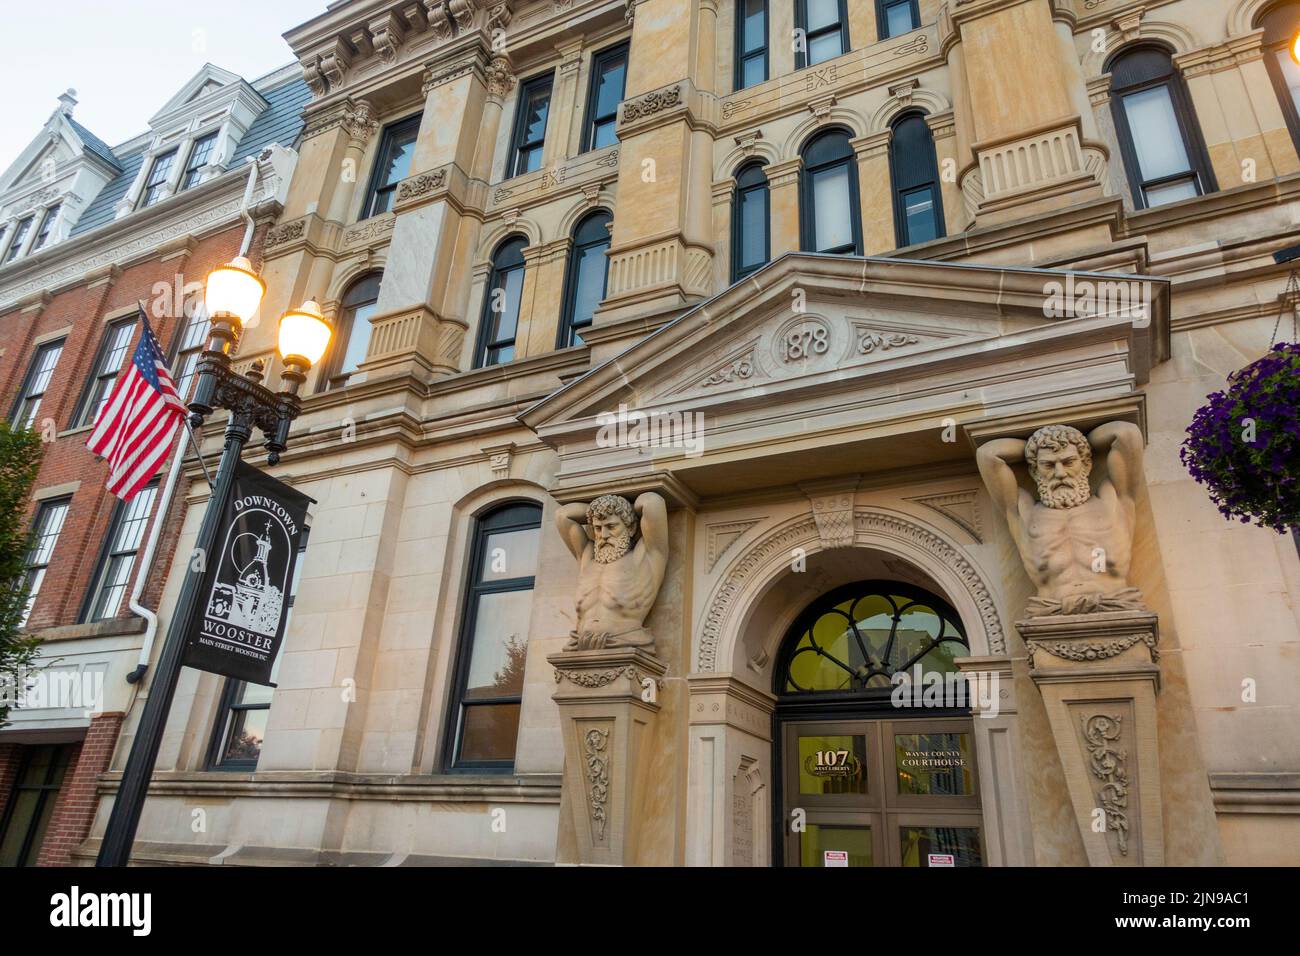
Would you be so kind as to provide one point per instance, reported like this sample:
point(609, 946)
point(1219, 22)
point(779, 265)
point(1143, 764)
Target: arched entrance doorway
point(873, 739)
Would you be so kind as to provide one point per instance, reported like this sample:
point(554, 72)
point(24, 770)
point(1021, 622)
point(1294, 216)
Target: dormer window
point(47, 227)
point(200, 153)
point(20, 234)
point(155, 186)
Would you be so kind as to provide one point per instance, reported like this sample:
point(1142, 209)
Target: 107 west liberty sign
point(246, 584)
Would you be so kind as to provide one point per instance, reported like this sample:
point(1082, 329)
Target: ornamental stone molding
point(651, 103)
point(419, 186)
point(769, 557)
point(285, 233)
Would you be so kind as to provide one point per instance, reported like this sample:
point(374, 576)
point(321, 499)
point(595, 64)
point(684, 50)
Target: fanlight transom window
point(857, 637)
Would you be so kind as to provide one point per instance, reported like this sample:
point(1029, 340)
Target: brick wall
point(83, 310)
point(75, 809)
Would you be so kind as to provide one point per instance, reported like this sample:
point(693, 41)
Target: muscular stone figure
point(617, 581)
point(1075, 545)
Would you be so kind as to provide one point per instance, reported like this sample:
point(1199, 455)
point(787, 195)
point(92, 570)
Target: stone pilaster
point(875, 192)
point(783, 197)
point(1099, 678)
point(608, 702)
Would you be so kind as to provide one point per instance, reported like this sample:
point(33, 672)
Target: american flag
point(134, 429)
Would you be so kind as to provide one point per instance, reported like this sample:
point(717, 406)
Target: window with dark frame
point(200, 153)
point(896, 17)
point(483, 725)
point(501, 301)
point(47, 227)
point(750, 223)
point(117, 560)
point(1158, 136)
point(189, 347)
point(1280, 25)
point(751, 43)
point(529, 136)
point(159, 173)
point(31, 803)
point(35, 384)
point(45, 537)
point(16, 243)
point(108, 364)
point(240, 728)
point(918, 207)
point(392, 165)
point(826, 31)
point(586, 276)
point(351, 338)
point(608, 81)
point(829, 205)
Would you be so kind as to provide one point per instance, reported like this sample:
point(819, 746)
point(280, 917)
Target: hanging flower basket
point(1244, 443)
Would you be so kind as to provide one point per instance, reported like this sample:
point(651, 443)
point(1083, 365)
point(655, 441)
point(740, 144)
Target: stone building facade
point(108, 228)
point(789, 270)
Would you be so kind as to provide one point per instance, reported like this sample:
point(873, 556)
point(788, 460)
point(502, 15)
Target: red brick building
point(86, 233)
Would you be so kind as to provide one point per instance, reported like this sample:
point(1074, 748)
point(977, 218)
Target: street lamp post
point(233, 294)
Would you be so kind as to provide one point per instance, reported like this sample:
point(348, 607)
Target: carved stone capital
point(500, 78)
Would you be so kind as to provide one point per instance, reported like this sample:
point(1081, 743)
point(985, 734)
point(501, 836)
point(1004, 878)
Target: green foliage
point(20, 457)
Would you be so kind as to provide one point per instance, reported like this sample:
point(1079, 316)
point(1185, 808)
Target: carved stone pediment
point(875, 363)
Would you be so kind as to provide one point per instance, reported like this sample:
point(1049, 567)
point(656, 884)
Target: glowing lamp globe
point(304, 333)
point(234, 289)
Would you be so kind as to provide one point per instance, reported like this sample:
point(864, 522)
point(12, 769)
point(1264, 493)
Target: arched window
point(484, 721)
point(829, 204)
point(501, 300)
point(351, 338)
point(854, 639)
point(1158, 135)
point(1280, 26)
point(584, 285)
point(918, 209)
point(825, 26)
point(750, 233)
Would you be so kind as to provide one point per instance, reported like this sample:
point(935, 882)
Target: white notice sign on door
point(942, 859)
point(835, 858)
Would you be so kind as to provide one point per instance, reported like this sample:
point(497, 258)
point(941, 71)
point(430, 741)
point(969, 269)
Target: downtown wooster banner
point(244, 598)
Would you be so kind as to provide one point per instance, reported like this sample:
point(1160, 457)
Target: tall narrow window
point(1280, 26)
point(37, 380)
point(829, 206)
point(608, 79)
point(826, 31)
point(501, 301)
point(108, 363)
point(352, 335)
point(20, 234)
point(530, 126)
point(584, 286)
point(30, 806)
point(494, 639)
point(112, 352)
point(750, 242)
point(392, 165)
point(200, 153)
point(896, 17)
point(113, 576)
point(751, 43)
point(918, 210)
point(1158, 136)
point(240, 727)
point(159, 173)
point(189, 348)
point(47, 227)
point(45, 536)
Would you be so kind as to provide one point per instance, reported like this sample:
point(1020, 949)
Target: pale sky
point(126, 58)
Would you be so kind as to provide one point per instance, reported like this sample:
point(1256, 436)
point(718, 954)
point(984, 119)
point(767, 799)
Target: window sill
point(113, 627)
point(75, 431)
